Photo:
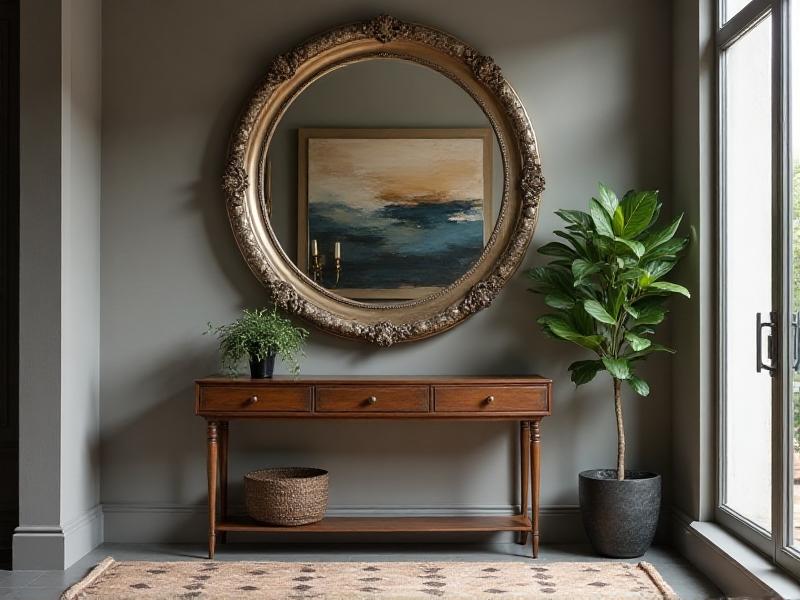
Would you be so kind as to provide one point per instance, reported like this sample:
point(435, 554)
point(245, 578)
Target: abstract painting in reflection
point(409, 208)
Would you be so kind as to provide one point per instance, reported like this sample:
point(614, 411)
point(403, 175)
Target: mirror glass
point(383, 181)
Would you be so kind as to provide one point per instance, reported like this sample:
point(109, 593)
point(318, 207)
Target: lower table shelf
point(524, 400)
point(385, 525)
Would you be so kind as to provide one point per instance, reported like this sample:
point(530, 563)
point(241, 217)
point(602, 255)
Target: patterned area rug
point(136, 580)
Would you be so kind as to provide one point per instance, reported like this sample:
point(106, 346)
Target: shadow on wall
point(389, 465)
point(158, 434)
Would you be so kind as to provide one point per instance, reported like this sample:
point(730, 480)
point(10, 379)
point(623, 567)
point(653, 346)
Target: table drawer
point(522, 399)
point(369, 399)
point(255, 399)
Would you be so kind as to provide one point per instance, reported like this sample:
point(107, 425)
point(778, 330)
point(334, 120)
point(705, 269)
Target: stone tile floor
point(687, 582)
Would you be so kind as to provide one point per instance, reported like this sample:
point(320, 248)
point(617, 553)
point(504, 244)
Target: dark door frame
point(9, 275)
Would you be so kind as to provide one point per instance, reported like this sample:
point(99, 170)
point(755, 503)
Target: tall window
point(759, 275)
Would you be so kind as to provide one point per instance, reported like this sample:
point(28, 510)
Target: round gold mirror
point(383, 182)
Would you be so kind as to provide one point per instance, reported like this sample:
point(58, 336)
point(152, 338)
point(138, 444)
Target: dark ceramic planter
point(620, 517)
point(262, 369)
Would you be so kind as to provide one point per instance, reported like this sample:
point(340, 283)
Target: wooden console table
point(522, 399)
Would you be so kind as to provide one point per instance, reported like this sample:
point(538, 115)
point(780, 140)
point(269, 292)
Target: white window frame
point(777, 542)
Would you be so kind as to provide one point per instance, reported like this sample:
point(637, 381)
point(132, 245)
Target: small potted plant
point(260, 335)
point(606, 290)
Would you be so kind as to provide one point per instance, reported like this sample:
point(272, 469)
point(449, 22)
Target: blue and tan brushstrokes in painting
point(409, 213)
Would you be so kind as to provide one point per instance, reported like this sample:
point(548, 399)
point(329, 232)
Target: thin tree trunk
point(620, 429)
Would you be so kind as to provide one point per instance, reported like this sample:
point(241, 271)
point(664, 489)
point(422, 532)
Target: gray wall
point(596, 80)
point(693, 321)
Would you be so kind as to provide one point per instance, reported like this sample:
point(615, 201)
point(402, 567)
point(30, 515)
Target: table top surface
point(383, 379)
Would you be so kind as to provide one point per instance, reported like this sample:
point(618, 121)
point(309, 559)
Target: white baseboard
point(181, 523)
point(57, 547)
point(38, 547)
point(83, 534)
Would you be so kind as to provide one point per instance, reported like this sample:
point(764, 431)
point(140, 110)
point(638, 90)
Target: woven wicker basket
point(286, 496)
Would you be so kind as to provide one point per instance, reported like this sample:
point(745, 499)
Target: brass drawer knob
point(372, 400)
point(252, 400)
point(490, 400)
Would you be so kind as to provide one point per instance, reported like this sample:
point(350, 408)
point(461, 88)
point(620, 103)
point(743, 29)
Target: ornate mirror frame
point(478, 75)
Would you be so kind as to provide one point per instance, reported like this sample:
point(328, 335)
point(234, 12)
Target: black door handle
point(796, 342)
point(760, 364)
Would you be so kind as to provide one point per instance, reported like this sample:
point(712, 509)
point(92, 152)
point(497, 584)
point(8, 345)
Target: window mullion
point(782, 503)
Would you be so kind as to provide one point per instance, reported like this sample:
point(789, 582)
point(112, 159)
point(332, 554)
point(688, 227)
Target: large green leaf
point(650, 315)
point(576, 217)
point(668, 250)
point(577, 241)
point(561, 262)
point(631, 310)
point(549, 279)
point(557, 249)
point(656, 213)
point(590, 342)
point(649, 350)
point(637, 209)
point(655, 270)
point(646, 302)
point(636, 247)
point(652, 348)
point(607, 199)
point(594, 308)
point(582, 268)
point(583, 371)
point(618, 367)
point(667, 286)
point(639, 385)
point(600, 218)
point(654, 240)
point(637, 342)
point(582, 321)
point(618, 299)
point(560, 301)
point(546, 331)
point(618, 221)
point(632, 274)
point(604, 246)
point(560, 328)
point(642, 330)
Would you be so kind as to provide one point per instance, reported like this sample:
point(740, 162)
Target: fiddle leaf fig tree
point(606, 288)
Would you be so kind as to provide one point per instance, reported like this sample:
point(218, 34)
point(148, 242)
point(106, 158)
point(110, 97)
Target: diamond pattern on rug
point(133, 580)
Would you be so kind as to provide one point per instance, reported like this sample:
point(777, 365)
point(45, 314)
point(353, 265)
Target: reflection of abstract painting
point(409, 207)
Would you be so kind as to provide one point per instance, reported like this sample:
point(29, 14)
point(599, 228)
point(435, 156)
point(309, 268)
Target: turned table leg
point(212, 487)
point(524, 457)
point(535, 476)
point(223, 477)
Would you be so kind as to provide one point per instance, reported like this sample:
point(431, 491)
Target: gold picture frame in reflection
point(392, 214)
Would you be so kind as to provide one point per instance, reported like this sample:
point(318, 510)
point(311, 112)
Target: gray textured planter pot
point(620, 517)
